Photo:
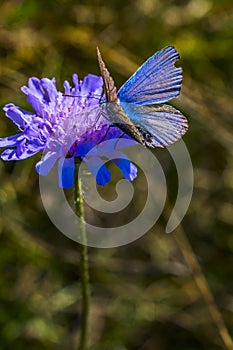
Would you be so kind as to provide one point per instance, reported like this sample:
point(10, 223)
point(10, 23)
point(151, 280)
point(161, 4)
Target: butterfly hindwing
point(156, 81)
point(160, 125)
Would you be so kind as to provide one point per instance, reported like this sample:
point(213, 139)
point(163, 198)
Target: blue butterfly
point(137, 107)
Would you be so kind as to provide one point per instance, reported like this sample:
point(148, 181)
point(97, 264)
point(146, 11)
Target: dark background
point(150, 294)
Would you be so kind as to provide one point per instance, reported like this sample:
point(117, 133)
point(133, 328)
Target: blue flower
point(65, 129)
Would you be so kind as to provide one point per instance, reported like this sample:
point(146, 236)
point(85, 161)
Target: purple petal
point(128, 169)
point(75, 80)
point(44, 166)
point(11, 141)
point(66, 169)
point(18, 115)
point(37, 105)
point(50, 88)
point(9, 154)
point(17, 154)
point(67, 87)
point(91, 83)
point(98, 170)
point(34, 88)
point(83, 148)
point(24, 151)
point(103, 176)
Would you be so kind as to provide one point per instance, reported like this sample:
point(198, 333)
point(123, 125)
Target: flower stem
point(84, 273)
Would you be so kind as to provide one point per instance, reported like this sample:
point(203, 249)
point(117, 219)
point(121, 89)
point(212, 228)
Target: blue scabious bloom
point(64, 128)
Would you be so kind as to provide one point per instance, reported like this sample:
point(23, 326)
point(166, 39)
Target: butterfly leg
point(120, 137)
point(109, 127)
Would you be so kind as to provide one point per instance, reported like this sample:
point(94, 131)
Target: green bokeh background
point(150, 294)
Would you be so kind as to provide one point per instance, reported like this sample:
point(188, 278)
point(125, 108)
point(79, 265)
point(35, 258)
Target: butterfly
point(138, 108)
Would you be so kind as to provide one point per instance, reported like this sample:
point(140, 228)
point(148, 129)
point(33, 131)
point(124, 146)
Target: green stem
point(84, 273)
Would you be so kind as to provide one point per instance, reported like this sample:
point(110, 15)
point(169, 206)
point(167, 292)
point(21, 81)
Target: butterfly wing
point(109, 85)
point(160, 125)
point(156, 81)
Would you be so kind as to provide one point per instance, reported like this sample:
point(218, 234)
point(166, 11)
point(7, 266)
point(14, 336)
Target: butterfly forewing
point(109, 85)
point(156, 81)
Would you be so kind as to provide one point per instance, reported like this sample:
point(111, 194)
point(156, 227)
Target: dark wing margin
point(160, 125)
point(156, 81)
point(109, 85)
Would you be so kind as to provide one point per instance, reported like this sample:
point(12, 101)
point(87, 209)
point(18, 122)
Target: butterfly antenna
point(97, 97)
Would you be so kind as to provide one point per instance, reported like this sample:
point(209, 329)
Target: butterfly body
point(114, 109)
point(120, 119)
point(137, 107)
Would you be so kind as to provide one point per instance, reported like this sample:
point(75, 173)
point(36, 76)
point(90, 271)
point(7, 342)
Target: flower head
point(64, 126)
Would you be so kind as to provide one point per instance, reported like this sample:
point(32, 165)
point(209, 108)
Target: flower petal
point(76, 89)
point(37, 105)
point(83, 148)
point(103, 176)
point(91, 83)
point(66, 169)
point(24, 152)
point(50, 88)
point(9, 154)
point(18, 115)
point(44, 166)
point(33, 88)
point(127, 168)
point(67, 87)
point(98, 170)
point(11, 141)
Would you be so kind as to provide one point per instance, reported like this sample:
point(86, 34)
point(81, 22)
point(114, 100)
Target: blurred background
point(161, 291)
